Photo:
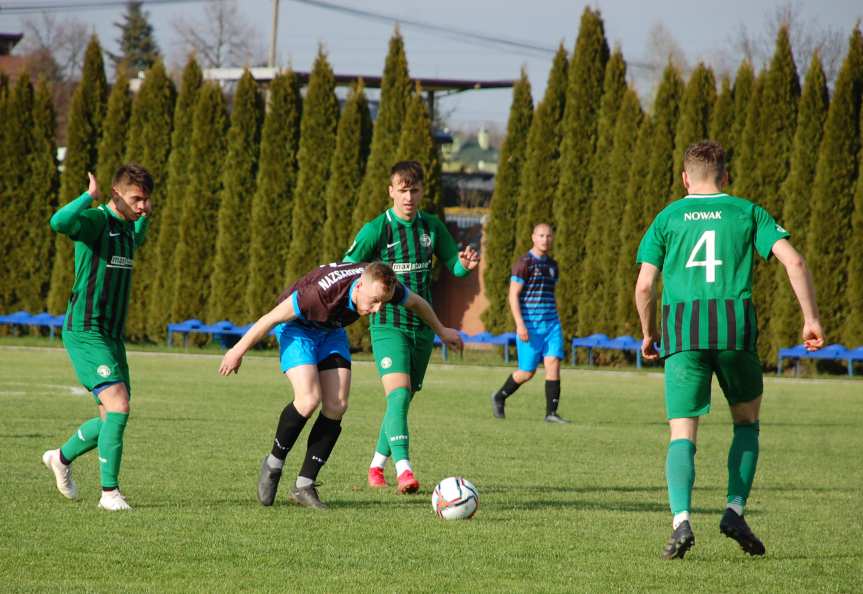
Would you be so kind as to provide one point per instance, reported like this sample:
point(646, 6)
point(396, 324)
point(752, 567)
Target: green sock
point(396, 423)
point(680, 474)
point(111, 448)
point(383, 446)
point(742, 459)
point(83, 440)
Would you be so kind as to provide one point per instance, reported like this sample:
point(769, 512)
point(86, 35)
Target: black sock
point(508, 389)
point(291, 424)
point(322, 439)
point(552, 396)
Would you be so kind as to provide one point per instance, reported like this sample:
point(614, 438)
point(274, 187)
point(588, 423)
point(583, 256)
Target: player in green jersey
point(406, 238)
point(703, 245)
point(106, 238)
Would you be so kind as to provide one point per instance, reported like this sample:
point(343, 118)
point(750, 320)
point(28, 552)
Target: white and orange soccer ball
point(455, 498)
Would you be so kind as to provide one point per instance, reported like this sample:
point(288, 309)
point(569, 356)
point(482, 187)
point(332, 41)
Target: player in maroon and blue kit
point(309, 323)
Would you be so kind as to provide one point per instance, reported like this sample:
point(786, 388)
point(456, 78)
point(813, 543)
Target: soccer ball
point(455, 498)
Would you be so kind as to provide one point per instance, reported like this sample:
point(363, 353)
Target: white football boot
point(113, 501)
point(62, 474)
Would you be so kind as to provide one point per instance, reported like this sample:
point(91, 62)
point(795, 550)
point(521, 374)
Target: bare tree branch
point(223, 38)
point(64, 41)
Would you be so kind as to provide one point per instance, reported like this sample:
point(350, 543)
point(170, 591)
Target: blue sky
point(703, 30)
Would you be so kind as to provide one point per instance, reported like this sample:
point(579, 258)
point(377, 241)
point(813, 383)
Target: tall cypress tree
point(138, 48)
point(500, 232)
point(598, 288)
point(852, 331)
point(577, 152)
point(541, 169)
point(273, 204)
point(149, 143)
point(83, 132)
point(317, 143)
point(395, 91)
point(41, 193)
point(6, 164)
point(830, 232)
point(593, 314)
point(661, 174)
point(353, 142)
point(779, 120)
point(193, 256)
point(231, 266)
point(417, 144)
point(17, 143)
point(722, 119)
point(112, 146)
point(632, 229)
point(797, 196)
point(744, 81)
point(694, 122)
point(747, 174)
point(176, 193)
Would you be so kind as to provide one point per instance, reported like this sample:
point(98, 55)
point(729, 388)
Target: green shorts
point(403, 351)
point(97, 359)
point(688, 376)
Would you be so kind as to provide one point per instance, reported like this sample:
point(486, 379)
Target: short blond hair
point(705, 160)
point(379, 271)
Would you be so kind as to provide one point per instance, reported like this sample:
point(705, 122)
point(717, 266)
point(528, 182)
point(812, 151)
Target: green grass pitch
point(576, 508)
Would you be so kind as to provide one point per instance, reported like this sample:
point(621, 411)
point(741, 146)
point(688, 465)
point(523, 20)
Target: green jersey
point(407, 246)
point(704, 245)
point(105, 246)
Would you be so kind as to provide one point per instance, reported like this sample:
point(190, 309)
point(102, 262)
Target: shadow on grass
point(26, 436)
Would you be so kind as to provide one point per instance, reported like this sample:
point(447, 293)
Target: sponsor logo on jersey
point(103, 371)
point(405, 267)
point(399, 438)
point(328, 281)
point(386, 363)
point(121, 262)
point(395, 243)
point(702, 215)
point(425, 240)
point(113, 234)
point(781, 229)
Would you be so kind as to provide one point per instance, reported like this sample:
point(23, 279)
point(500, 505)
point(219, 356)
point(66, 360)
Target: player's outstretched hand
point(230, 363)
point(93, 188)
point(452, 338)
point(813, 336)
point(469, 257)
point(648, 348)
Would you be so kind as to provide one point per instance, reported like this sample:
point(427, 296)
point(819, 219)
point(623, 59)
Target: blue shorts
point(542, 341)
point(301, 345)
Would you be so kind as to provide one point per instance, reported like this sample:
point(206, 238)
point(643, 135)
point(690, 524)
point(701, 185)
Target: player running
point(537, 325)
point(106, 238)
point(703, 245)
point(406, 238)
point(313, 346)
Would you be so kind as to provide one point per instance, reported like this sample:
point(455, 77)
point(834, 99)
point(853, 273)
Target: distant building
point(471, 155)
point(11, 66)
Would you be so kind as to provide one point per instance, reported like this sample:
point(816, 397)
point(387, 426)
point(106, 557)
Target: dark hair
point(409, 172)
point(704, 160)
point(379, 271)
point(132, 174)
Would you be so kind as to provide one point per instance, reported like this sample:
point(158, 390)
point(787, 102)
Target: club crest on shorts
point(425, 240)
point(386, 363)
point(103, 371)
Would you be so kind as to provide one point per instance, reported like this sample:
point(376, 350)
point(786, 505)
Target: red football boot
point(408, 483)
point(376, 477)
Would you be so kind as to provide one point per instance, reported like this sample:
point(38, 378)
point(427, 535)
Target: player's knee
point(335, 409)
point(522, 376)
point(306, 403)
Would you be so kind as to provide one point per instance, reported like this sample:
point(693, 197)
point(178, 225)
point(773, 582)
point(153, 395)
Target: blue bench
point(24, 318)
point(833, 352)
point(224, 331)
point(504, 340)
point(601, 341)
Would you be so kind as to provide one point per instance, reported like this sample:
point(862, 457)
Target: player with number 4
point(704, 246)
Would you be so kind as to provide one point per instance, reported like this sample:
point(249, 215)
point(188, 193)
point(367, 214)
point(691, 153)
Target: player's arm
point(141, 226)
point(460, 263)
point(516, 284)
point(70, 221)
point(645, 301)
point(424, 310)
point(363, 247)
point(283, 312)
point(801, 282)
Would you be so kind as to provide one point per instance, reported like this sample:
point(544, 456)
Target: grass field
point(577, 508)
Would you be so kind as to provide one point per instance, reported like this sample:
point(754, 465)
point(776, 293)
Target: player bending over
point(406, 238)
point(703, 245)
point(534, 309)
point(106, 238)
point(313, 346)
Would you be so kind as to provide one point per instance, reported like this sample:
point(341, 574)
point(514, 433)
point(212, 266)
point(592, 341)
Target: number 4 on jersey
point(708, 240)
